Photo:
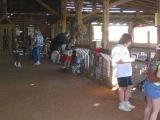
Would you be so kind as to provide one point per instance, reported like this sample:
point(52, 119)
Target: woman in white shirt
point(121, 60)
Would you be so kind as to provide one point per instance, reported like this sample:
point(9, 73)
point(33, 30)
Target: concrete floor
point(47, 93)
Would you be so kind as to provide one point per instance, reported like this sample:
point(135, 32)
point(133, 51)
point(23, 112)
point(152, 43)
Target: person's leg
point(65, 61)
point(156, 108)
point(69, 61)
point(128, 93)
point(122, 88)
point(122, 94)
point(58, 58)
point(148, 109)
point(38, 54)
point(19, 59)
point(129, 88)
point(34, 54)
point(122, 104)
point(122, 82)
point(16, 60)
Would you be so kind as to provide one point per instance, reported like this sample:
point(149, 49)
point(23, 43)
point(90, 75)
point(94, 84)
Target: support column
point(79, 16)
point(158, 26)
point(64, 15)
point(106, 66)
point(105, 42)
point(1, 41)
point(52, 31)
point(94, 5)
point(130, 28)
point(10, 39)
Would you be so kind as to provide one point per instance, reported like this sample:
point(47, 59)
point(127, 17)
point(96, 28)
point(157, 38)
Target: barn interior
point(38, 93)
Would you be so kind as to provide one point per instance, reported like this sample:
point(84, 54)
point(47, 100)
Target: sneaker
point(128, 104)
point(37, 63)
point(123, 107)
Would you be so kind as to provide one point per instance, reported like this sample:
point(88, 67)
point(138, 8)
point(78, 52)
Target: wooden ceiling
point(119, 9)
point(32, 6)
point(44, 6)
point(143, 6)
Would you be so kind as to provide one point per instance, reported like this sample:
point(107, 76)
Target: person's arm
point(126, 60)
point(118, 57)
point(106, 57)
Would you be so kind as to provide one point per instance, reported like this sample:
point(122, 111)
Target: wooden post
point(105, 43)
point(1, 41)
point(79, 16)
point(158, 26)
point(52, 31)
point(64, 15)
point(10, 39)
point(79, 11)
point(130, 28)
point(94, 5)
point(148, 38)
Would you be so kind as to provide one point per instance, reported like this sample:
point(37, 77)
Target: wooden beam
point(46, 6)
point(150, 1)
point(29, 14)
point(79, 5)
point(141, 5)
point(110, 5)
point(63, 15)
point(79, 17)
point(90, 16)
point(158, 26)
point(120, 2)
point(105, 24)
point(94, 5)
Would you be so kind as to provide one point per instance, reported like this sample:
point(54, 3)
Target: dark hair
point(125, 38)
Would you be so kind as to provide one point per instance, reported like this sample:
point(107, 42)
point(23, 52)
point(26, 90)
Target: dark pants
point(37, 54)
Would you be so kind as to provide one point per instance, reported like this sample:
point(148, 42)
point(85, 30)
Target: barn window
point(116, 31)
point(147, 34)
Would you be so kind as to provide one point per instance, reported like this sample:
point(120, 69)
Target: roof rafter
point(120, 2)
point(46, 6)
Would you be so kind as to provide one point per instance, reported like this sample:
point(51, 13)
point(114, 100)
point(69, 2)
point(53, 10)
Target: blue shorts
point(124, 81)
point(151, 90)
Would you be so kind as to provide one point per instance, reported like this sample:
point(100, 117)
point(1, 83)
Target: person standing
point(17, 55)
point(121, 60)
point(152, 88)
point(37, 46)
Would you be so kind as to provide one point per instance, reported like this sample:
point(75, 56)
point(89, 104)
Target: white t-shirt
point(121, 53)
